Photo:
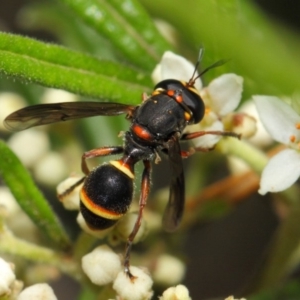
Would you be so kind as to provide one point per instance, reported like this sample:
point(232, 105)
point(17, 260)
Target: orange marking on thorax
point(179, 98)
point(170, 93)
point(142, 132)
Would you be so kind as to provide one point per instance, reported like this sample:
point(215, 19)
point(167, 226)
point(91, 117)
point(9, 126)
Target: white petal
point(281, 172)
point(173, 66)
point(278, 118)
point(225, 93)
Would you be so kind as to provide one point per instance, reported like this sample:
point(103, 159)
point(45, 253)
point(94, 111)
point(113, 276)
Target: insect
point(156, 125)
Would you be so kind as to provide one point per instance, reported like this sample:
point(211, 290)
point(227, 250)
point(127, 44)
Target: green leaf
point(70, 32)
point(30, 198)
point(239, 31)
point(126, 25)
point(59, 67)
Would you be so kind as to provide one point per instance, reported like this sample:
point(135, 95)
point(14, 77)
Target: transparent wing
point(175, 206)
point(43, 114)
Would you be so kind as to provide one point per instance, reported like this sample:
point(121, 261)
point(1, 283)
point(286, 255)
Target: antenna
point(214, 65)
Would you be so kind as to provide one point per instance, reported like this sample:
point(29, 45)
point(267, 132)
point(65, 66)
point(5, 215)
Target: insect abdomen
point(106, 196)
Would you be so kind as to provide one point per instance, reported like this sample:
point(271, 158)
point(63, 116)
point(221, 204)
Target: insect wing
point(175, 206)
point(43, 114)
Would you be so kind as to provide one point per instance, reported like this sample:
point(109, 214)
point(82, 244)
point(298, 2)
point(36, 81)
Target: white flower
point(179, 292)
point(72, 199)
point(283, 124)
point(101, 265)
point(169, 270)
point(37, 292)
point(7, 277)
point(221, 96)
point(137, 288)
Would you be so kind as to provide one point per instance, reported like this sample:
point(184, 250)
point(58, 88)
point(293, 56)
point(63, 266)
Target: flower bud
point(29, 145)
point(37, 291)
point(137, 288)
point(169, 270)
point(71, 200)
point(240, 123)
point(51, 161)
point(7, 277)
point(179, 292)
point(101, 265)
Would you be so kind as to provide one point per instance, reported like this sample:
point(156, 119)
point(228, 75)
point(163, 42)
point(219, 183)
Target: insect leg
point(193, 135)
point(145, 188)
point(103, 151)
point(70, 189)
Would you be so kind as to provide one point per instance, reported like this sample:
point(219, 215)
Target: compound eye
point(194, 102)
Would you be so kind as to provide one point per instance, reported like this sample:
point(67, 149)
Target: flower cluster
point(10, 288)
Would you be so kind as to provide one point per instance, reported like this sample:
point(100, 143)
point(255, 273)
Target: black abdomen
point(106, 195)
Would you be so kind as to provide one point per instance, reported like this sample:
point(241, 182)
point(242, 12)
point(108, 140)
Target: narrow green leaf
point(140, 21)
point(59, 67)
point(126, 25)
point(240, 33)
point(30, 198)
point(71, 31)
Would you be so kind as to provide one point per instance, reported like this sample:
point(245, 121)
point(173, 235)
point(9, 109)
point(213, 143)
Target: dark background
point(225, 254)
